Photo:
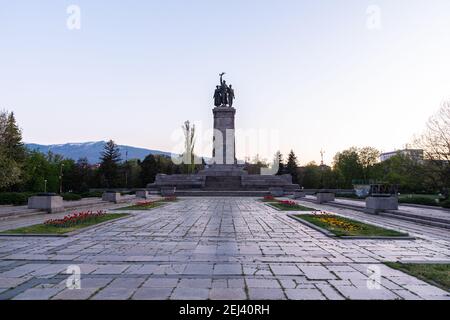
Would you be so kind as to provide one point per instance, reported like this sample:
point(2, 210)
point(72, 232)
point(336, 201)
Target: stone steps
point(417, 219)
point(223, 183)
point(220, 193)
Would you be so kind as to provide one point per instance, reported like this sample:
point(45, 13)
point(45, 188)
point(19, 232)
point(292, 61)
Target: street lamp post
point(45, 185)
point(60, 178)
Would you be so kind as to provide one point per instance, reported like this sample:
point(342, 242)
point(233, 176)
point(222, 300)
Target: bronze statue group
point(224, 94)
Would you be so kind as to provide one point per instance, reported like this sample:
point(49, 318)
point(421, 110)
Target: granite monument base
point(298, 194)
point(323, 197)
point(115, 197)
point(223, 178)
point(375, 205)
point(142, 194)
point(48, 202)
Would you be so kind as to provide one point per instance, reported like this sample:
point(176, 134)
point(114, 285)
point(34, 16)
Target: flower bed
point(289, 205)
point(67, 224)
point(341, 226)
point(76, 218)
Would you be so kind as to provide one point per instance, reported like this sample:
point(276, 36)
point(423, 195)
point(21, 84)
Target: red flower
point(75, 218)
point(287, 202)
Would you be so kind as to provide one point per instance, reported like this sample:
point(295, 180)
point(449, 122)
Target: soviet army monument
point(224, 176)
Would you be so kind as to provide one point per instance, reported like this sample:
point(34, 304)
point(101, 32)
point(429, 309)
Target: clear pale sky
point(313, 70)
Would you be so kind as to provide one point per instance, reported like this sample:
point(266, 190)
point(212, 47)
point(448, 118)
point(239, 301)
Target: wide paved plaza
point(219, 248)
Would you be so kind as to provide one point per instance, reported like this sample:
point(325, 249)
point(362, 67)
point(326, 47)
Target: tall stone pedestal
point(223, 140)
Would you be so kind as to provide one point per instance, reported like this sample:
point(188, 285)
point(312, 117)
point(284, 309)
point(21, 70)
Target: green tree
point(69, 181)
point(348, 167)
point(39, 168)
point(83, 176)
point(10, 171)
point(367, 158)
point(12, 136)
point(12, 151)
point(310, 176)
point(109, 165)
point(149, 169)
point(133, 171)
point(403, 171)
point(435, 142)
point(292, 166)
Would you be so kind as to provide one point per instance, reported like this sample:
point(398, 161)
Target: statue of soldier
point(223, 90)
point(230, 95)
point(217, 97)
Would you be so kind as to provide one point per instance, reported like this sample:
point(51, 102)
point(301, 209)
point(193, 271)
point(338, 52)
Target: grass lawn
point(435, 274)
point(149, 206)
point(288, 207)
point(47, 229)
point(341, 226)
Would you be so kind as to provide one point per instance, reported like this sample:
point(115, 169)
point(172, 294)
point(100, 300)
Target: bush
point(14, 198)
point(445, 203)
point(419, 200)
point(71, 196)
point(94, 194)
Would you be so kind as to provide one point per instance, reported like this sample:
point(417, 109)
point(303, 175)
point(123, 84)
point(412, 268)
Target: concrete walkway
point(218, 248)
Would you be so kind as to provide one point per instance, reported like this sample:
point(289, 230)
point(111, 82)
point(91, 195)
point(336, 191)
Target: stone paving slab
point(218, 248)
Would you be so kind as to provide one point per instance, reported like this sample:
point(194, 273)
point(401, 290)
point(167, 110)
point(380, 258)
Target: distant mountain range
point(92, 150)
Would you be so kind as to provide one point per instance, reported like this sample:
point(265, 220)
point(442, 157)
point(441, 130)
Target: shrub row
point(21, 198)
point(93, 194)
point(14, 198)
point(71, 196)
point(445, 203)
point(419, 200)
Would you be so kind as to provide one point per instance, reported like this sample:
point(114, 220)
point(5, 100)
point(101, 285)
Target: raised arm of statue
point(221, 75)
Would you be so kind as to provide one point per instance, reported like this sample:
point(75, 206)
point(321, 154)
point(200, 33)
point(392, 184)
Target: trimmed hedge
point(71, 196)
point(94, 194)
point(14, 198)
point(419, 200)
point(445, 203)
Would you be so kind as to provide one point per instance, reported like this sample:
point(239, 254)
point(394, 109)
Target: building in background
point(415, 154)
